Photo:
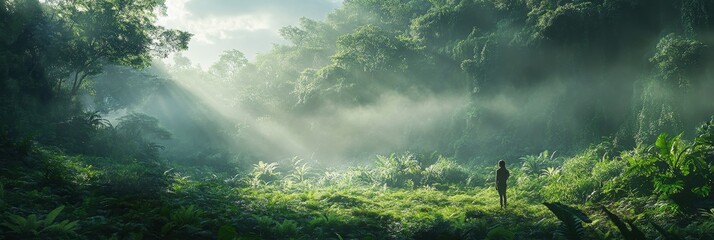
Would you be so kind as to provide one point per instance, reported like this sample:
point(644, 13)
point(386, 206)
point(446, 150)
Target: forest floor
point(52, 195)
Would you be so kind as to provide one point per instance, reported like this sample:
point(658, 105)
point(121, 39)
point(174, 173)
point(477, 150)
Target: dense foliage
point(569, 72)
point(383, 121)
point(399, 196)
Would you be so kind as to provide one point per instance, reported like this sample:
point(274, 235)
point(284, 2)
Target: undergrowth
point(397, 197)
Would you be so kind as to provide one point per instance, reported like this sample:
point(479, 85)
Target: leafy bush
point(133, 179)
point(69, 171)
point(676, 169)
point(573, 182)
point(537, 164)
point(403, 171)
point(445, 171)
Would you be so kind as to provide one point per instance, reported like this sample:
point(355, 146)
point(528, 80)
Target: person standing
point(502, 175)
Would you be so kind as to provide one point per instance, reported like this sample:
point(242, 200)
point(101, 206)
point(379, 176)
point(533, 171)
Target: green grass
point(187, 203)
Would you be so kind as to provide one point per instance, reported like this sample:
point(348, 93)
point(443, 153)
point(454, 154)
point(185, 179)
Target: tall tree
point(99, 32)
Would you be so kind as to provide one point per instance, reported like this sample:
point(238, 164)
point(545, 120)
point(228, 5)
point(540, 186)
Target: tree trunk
point(78, 79)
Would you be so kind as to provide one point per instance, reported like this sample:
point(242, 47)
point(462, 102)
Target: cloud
point(249, 42)
point(280, 9)
point(247, 25)
point(210, 28)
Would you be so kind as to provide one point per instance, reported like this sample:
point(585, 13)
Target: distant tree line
point(571, 71)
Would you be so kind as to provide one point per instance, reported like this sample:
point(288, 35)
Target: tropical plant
point(300, 170)
point(535, 164)
point(704, 150)
point(445, 171)
point(705, 136)
point(264, 172)
point(185, 219)
point(330, 177)
point(550, 171)
point(142, 126)
point(397, 171)
point(325, 223)
point(93, 119)
point(631, 233)
point(32, 226)
point(676, 170)
point(186, 215)
point(708, 214)
point(571, 218)
point(285, 229)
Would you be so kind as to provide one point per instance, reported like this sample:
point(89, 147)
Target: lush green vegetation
point(399, 196)
point(384, 121)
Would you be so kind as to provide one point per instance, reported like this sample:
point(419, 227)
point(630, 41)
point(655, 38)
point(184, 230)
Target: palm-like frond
point(571, 218)
point(631, 233)
point(33, 226)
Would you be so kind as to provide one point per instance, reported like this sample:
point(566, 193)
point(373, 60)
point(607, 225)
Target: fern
point(186, 215)
point(182, 219)
point(571, 218)
point(398, 171)
point(708, 214)
point(286, 229)
point(631, 233)
point(31, 226)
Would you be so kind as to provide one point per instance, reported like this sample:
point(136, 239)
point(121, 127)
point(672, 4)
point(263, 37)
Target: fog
point(198, 115)
point(358, 84)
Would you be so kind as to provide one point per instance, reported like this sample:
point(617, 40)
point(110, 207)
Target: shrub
point(392, 171)
point(445, 171)
point(133, 179)
point(574, 183)
point(674, 168)
point(536, 164)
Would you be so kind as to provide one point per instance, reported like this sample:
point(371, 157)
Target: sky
point(250, 26)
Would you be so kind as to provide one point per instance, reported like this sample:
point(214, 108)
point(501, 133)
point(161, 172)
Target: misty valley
point(360, 119)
